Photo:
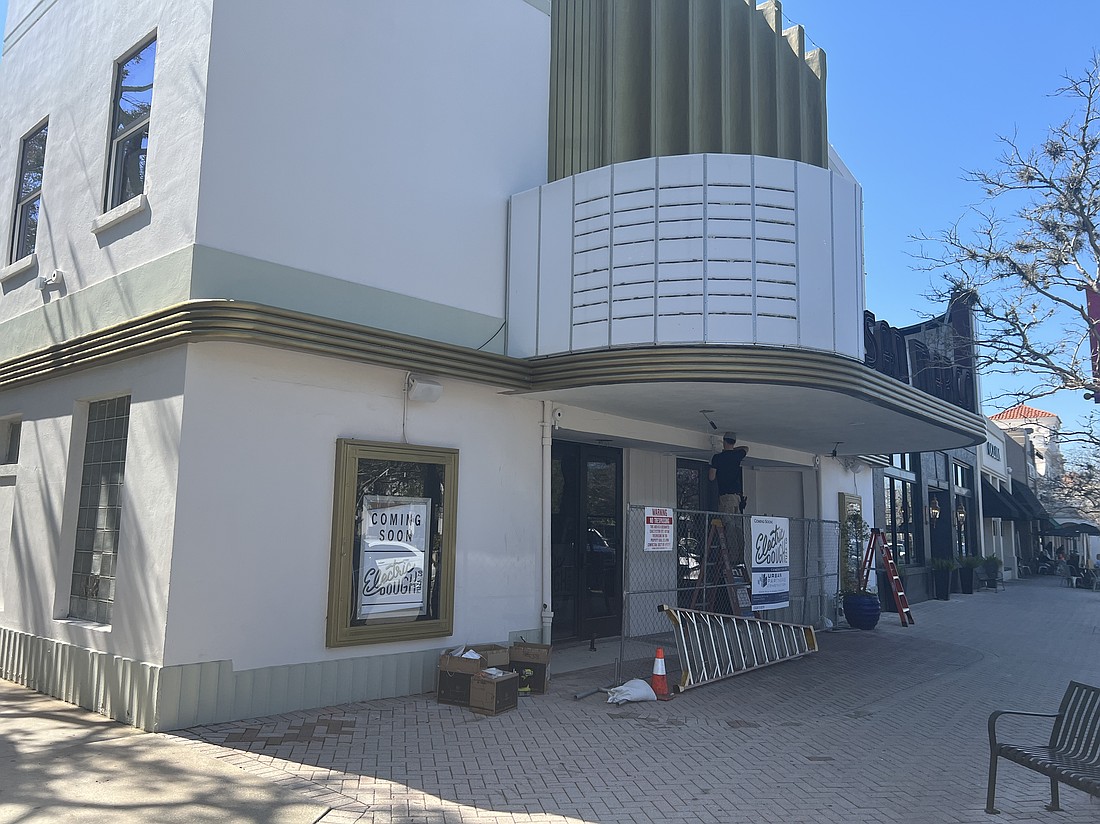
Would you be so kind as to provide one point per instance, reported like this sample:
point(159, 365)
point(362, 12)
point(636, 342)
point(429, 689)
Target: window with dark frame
point(99, 515)
point(131, 108)
point(902, 460)
point(900, 527)
point(28, 197)
point(391, 573)
point(9, 440)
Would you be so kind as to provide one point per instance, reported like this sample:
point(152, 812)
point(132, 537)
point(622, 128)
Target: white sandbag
point(633, 690)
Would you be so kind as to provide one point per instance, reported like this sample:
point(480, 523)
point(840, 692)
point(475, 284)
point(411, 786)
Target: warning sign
point(658, 529)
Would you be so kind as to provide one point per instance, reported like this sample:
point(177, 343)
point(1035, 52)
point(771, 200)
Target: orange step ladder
point(900, 601)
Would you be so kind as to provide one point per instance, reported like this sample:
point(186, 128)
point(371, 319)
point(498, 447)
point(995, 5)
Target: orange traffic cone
point(659, 681)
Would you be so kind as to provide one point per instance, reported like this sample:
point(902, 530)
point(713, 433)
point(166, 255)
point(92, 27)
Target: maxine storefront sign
point(392, 552)
point(771, 563)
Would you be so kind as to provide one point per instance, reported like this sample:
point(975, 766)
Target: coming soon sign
point(771, 562)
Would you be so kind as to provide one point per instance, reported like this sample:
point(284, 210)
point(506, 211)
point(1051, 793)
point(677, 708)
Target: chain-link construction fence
point(706, 558)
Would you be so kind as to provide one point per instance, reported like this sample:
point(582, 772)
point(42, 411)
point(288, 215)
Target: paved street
point(888, 725)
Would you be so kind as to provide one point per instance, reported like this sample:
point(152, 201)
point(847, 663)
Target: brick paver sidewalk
point(880, 726)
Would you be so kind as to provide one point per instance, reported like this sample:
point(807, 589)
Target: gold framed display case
point(392, 564)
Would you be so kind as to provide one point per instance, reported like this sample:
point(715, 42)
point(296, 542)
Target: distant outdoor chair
point(1069, 578)
point(1022, 568)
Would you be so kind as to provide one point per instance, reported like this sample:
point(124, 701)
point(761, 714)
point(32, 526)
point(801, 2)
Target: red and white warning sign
point(658, 529)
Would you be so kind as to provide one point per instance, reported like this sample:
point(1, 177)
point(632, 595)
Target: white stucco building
point(253, 250)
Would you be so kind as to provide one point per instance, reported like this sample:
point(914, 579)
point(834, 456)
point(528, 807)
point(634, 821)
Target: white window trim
point(123, 211)
point(18, 267)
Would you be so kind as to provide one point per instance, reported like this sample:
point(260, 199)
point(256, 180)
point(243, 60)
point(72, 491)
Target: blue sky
point(918, 93)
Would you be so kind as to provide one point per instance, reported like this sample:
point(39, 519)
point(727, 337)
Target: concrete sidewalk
point(879, 726)
point(59, 763)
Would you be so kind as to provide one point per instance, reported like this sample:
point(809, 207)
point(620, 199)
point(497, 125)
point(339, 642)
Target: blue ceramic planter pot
point(861, 611)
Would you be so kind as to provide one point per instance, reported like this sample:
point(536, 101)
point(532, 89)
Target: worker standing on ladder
point(725, 468)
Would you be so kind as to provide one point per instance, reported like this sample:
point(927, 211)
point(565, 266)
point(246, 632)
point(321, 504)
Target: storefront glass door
point(586, 540)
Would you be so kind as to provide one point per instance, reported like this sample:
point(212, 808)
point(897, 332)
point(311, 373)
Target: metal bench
point(1073, 755)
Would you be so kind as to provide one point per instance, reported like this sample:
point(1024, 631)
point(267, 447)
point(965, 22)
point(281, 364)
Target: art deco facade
point(284, 292)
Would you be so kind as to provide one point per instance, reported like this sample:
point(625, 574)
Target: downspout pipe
point(547, 440)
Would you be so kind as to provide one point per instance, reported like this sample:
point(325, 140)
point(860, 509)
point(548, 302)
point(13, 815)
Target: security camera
point(557, 414)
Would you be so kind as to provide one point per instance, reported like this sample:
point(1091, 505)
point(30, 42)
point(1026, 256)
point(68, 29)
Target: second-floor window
point(133, 103)
point(28, 201)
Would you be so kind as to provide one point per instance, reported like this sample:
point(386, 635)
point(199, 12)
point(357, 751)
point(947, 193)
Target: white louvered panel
point(633, 233)
point(635, 273)
point(780, 290)
point(679, 328)
point(680, 305)
point(594, 210)
point(629, 254)
point(730, 305)
point(639, 307)
point(729, 328)
point(671, 213)
point(775, 306)
point(587, 282)
point(597, 239)
point(781, 198)
point(774, 214)
point(633, 207)
point(627, 331)
point(590, 335)
point(727, 277)
point(680, 278)
point(632, 291)
point(784, 232)
point(775, 331)
point(729, 249)
point(680, 250)
point(589, 313)
point(681, 230)
point(775, 251)
point(591, 260)
point(676, 196)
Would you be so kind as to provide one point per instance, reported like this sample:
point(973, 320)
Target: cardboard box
point(452, 680)
point(495, 654)
point(532, 663)
point(494, 694)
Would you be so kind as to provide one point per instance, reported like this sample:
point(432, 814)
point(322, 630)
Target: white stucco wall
point(62, 67)
point(251, 563)
point(376, 142)
point(38, 563)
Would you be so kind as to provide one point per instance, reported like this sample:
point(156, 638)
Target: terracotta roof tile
point(1021, 411)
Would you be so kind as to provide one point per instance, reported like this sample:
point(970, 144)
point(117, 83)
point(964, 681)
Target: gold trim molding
point(251, 323)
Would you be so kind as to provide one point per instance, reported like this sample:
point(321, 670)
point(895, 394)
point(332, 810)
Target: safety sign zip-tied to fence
point(713, 646)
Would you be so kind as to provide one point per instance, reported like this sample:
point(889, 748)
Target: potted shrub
point(968, 564)
point(991, 570)
point(941, 576)
point(861, 606)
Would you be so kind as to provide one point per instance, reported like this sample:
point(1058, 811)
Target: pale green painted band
point(140, 291)
point(219, 275)
point(202, 273)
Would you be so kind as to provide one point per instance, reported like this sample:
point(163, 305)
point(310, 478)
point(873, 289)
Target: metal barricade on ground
point(690, 572)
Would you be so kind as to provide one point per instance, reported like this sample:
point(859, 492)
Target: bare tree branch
point(1030, 252)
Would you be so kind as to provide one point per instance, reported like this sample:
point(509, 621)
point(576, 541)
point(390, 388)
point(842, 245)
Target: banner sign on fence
point(771, 563)
point(658, 529)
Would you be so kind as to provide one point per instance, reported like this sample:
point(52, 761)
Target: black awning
point(1027, 502)
point(1067, 530)
point(998, 504)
